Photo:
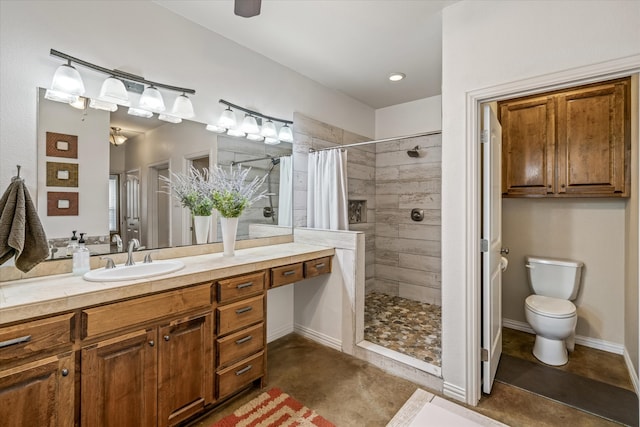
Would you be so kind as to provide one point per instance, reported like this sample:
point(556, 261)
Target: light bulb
point(285, 134)
point(269, 129)
point(67, 80)
point(113, 90)
point(227, 119)
point(250, 125)
point(151, 100)
point(182, 107)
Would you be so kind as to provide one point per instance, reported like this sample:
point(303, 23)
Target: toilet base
point(550, 352)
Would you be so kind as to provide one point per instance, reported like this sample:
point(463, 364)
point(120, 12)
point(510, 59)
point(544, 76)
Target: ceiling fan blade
point(247, 8)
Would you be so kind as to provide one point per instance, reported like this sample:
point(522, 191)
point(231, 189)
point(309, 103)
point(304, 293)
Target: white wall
point(512, 41)
point(587, 230)
point(422, 115)
point(168, 49)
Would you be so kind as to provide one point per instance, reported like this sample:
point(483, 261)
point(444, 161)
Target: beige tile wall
point(402, 257)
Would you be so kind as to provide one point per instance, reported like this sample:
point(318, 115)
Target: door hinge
point(484, 245)
point(484, 136)
point(484, 355)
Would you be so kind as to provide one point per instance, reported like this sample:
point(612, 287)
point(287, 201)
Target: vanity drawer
point(127, 314)
point(286, 274)
point(235, 377)
point(316, 267)
point(240, 345)
point(27, 339)
point(240, 287)
point(240, 314)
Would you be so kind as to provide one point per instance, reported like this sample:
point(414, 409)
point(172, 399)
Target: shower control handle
point(504, 251)
point(417, 214)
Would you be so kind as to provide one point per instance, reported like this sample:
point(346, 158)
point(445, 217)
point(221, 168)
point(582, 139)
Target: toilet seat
point(550, 307)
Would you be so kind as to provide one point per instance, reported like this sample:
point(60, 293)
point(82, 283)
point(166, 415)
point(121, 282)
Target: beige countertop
point(29, 298)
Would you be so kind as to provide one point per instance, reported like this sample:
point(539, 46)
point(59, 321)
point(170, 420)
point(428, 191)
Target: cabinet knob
point(562, 185)
point(152, 343)
point(65, 372)
point(167, 337)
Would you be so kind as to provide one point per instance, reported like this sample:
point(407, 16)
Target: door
point(119, 381)
point(39, 393)
point(492, 242)
point(185, 367)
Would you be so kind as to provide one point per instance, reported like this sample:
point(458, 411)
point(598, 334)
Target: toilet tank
point(553, 277)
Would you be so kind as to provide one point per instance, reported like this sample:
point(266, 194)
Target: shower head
point(414, 151)
point(275, 161)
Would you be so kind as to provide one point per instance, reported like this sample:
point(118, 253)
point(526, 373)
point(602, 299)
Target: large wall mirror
point(114, 192)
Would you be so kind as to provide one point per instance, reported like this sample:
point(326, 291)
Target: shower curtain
point(285, 192)
point(327, 190)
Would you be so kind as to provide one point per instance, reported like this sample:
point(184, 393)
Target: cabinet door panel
point(119, 381)
point(38, 393)
point(591, 146)
point(528, 146)
point(185, 368)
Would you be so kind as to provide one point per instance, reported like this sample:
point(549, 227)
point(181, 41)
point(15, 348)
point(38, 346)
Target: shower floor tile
point(408, 327)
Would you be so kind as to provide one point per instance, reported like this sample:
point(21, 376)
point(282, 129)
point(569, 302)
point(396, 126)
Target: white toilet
point(549, 311)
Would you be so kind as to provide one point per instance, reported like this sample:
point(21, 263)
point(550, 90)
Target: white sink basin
point(132, 272)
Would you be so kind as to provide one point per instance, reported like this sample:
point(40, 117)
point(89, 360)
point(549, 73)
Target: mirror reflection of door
point(159, 207)
point(201, 164)
point(132, 206)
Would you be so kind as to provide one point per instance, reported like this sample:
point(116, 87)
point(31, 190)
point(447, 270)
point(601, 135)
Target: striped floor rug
point(273, 408)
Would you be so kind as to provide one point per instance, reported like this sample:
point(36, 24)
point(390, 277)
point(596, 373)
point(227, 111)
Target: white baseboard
point(318, 337)
point(279, 333)
point(632, 372)
point(454, 392)
point(596, 343)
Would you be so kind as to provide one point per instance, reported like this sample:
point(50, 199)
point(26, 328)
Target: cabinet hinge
point(484, 136)
point(484, 245)
point(484, 355)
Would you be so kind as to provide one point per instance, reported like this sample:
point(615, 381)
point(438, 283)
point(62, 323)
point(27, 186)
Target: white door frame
point(573, 77)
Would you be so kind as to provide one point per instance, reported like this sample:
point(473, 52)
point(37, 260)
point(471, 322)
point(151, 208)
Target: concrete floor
point(352, 393)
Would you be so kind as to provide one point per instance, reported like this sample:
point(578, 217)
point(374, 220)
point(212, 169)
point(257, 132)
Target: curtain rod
point(233, 163)
point(395, 138)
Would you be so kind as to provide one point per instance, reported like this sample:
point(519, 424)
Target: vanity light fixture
point(285, 134)
point(114, 91)
point(250, 127)
point(139, 112)
point(169, 118)
point(151, 99)
point(80, 103)
point(396, 77)
point(67, 86)
point(103, 105)
point(216, 129)
point(182, 107)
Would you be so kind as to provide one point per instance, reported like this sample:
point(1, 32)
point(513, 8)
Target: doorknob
point(504, 251)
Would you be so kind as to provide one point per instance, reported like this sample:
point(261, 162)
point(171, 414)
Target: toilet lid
point(550, 307)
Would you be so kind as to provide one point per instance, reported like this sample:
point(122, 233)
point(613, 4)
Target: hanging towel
point(21, 233)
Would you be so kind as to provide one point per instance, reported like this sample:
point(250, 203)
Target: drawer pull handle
point(321, 265)
point(244, 285)
point(243, 310)
point(167, 337)
point(244, 340)
point(14, 341)
point(289, 273)
point(65, 372)
point(244, 370)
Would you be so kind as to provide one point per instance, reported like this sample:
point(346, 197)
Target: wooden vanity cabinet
point(161, 372)
point(37, 373)
point(570, 143)
point(240, 333)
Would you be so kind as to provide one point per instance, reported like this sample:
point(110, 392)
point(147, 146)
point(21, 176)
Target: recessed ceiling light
point(396, 77)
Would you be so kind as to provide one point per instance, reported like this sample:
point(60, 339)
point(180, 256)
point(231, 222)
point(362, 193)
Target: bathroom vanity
point(145, 352)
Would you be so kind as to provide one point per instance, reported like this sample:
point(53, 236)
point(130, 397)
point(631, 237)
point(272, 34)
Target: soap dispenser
point(73, 244)
point(81, 263)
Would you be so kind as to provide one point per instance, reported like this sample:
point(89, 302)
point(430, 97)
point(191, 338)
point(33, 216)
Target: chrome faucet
point(118, 241)
point(133, 244)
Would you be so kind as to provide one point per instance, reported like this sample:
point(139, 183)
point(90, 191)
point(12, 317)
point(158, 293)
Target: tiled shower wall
point(407, 253)
point(402, 256)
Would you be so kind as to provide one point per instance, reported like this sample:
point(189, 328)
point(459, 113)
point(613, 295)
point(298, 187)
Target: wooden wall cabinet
point(570, 143)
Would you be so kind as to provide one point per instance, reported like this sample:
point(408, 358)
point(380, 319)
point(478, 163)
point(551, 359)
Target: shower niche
point(357, 211)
